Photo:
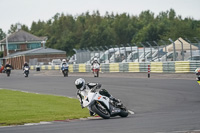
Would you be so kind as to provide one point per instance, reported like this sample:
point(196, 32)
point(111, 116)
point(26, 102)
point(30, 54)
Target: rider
point(83, 89)
point(93, 62)
point(26, 64)
point(197, 71)
point(63, 62)
point(8, 65)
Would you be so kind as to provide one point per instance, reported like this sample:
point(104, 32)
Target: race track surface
point(164, 103)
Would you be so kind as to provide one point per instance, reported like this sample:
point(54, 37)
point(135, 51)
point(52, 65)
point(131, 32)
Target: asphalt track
point(164, 103)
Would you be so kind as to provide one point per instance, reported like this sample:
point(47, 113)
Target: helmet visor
point(79, 86)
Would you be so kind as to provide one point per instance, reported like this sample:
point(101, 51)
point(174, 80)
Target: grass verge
point(17, 108)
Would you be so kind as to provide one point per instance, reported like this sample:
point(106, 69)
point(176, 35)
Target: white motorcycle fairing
point(26, 71)
point(91, 97)
point(96, 66)
point(26, 68)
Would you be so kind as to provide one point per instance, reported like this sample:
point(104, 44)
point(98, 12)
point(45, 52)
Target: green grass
point(19, 107)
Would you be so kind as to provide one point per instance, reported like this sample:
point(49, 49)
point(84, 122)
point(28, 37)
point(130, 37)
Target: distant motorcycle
point(26, 71)
point(65, 70)
point(96, 68)
point(8, 71)
point(99, 102)
point(197, 72)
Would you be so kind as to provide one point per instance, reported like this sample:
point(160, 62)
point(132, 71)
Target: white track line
point(189, 131)
point(40, 123)
point(131, 112)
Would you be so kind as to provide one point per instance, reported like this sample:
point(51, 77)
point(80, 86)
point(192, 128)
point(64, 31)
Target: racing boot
point(92, 113)
point(116, 101)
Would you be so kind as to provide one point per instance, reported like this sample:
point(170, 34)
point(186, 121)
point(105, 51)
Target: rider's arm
point(80, 98)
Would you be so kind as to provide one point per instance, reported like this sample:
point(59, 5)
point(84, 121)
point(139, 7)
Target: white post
point(7, 45)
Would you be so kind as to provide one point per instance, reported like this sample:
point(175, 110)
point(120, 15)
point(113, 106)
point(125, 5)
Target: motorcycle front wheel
point(94, 74)
point(99, 109)
point(26, 74)
point(97, 73)
point(65, 73)
point(8, 74)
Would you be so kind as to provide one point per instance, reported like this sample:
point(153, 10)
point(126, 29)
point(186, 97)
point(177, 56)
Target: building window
point(33, 45)
point(13, 46)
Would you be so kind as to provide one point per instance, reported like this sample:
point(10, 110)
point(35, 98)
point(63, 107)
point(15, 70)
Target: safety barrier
point(156, 67)
point(134, 67)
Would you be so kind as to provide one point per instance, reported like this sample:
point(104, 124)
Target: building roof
point(178, 45)
point(22, 36)
point(37, 51)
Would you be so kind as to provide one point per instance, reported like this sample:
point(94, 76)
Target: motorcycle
point(8, 71)
point(65, 70)
point(99, 102)
point(197, 72)
point(95, 69)
point(26, 71)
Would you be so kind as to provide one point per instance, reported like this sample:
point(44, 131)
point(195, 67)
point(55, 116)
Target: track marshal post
point(149, 69)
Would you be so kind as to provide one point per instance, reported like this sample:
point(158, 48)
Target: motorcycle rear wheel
point(103, 112)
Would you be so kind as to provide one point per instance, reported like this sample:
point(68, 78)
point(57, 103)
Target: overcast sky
point(27, 11)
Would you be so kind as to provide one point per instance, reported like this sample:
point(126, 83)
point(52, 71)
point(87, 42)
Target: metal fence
point(150, 51)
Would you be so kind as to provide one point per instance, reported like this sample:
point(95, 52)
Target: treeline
point(67, 32)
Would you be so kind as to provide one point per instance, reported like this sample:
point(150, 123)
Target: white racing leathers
point(95, 69)
point(100, 104)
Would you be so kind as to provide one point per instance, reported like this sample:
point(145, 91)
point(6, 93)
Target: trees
point(13, 28)
point(66, 32)
point(2, 34)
